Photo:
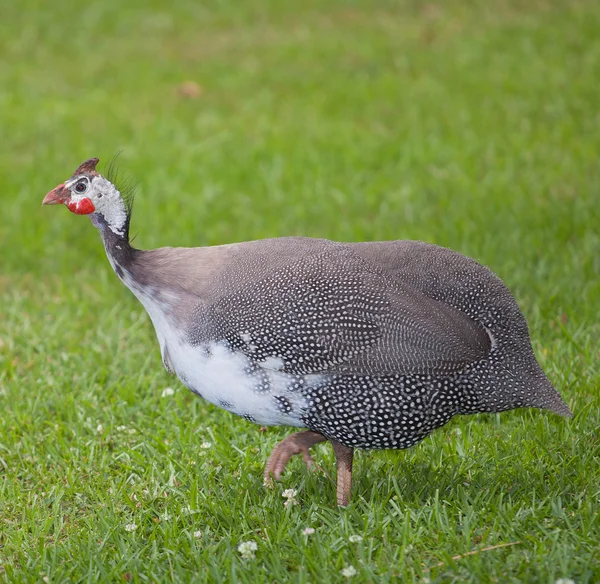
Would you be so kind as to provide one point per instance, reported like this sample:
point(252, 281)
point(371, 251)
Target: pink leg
point(343, 461)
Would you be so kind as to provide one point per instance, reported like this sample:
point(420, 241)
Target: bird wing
point(334, 311)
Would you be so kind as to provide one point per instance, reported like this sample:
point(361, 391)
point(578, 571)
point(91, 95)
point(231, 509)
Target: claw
point(307, 458)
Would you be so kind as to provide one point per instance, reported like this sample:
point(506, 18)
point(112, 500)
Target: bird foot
point(298, 443)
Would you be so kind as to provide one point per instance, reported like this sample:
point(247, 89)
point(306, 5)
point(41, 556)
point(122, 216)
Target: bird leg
point(343, 462)
point(298, 443)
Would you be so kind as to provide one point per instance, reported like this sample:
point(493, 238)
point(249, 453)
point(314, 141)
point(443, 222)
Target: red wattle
point(82, 207)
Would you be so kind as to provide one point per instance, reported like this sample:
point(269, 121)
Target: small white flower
point(349, 571)
point(167, 391)
point(121, 428)
point(308, 530)
point(290, 495)
point(99, 428)
point(197, 534)
point(130, 527)
point(355, 538)
point(564, 581)
point(206, 445)
point(247, 549)
point(132, 430)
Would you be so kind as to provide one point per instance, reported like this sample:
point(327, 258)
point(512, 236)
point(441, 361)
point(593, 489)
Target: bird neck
point(115, 236)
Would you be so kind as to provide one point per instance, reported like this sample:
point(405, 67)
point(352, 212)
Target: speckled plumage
point(398, 347)
point(370, 345)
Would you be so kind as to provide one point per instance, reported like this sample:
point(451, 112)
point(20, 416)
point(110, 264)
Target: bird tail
point(508, 386)
point(543, 395)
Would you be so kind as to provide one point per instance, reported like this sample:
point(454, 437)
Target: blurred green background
point(470, 124)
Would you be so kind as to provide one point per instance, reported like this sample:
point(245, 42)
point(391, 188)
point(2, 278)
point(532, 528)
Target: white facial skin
point(104, 197)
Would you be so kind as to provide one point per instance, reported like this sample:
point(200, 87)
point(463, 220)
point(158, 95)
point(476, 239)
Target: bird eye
point(81, 187)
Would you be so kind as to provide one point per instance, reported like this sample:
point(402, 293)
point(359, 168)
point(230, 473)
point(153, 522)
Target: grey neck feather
point(120, 253)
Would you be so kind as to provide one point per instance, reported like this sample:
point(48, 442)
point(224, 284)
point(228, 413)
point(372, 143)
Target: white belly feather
point(222, 376)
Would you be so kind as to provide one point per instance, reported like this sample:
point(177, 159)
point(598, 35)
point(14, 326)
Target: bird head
point(83, 192)
point(89, 193)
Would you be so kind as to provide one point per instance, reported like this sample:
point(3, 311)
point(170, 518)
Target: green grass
point(466, 124)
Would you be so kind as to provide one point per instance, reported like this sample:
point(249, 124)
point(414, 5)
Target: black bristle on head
point(125, 184)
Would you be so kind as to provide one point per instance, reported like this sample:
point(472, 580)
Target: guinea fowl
point(368, 345)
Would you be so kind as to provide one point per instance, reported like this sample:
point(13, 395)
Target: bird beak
point(60, 194)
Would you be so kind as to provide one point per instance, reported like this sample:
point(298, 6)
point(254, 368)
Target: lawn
point(473, 125)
